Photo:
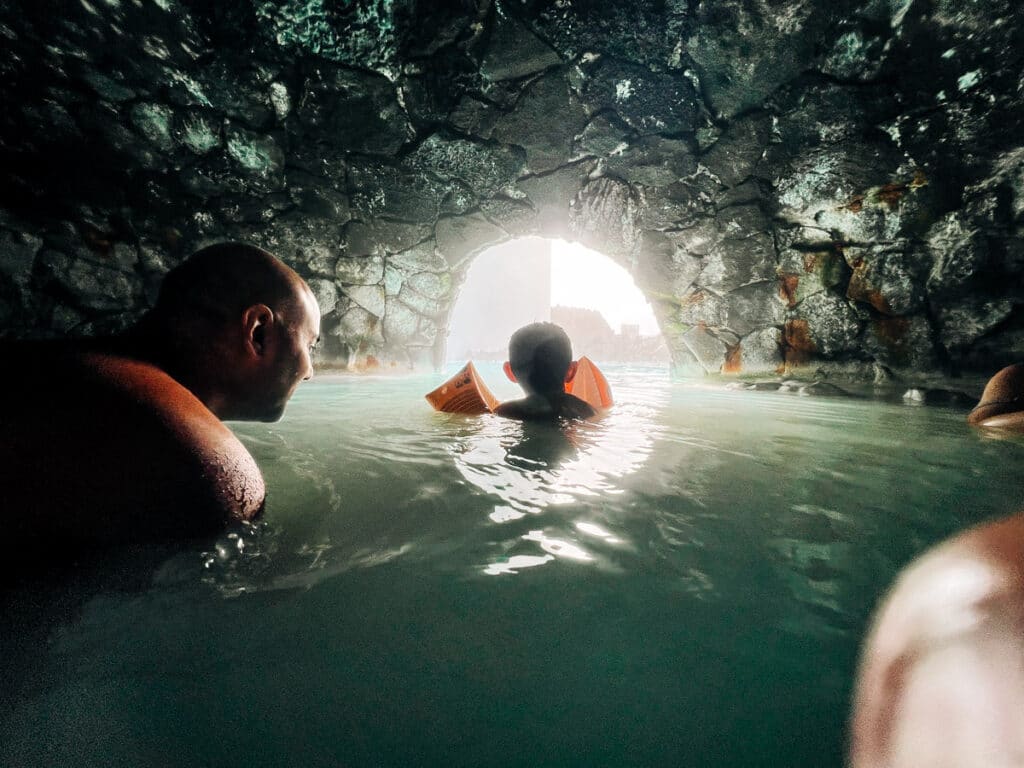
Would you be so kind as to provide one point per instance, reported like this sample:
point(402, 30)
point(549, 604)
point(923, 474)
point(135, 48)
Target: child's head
point(540, 358)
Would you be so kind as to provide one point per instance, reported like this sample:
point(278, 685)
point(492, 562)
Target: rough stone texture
point(890, 279)
point(754, 306)
point(652, 161)
point(963, 323)
point(363, 108)
point(834, 327)
point(803, 273)
point(708, 350)
point(901, 342)
point(460, 237)
point(514, 51)
point(649, 102)
point(758, 353)
point(547, 118)
point(791, 183)
point(604, 217)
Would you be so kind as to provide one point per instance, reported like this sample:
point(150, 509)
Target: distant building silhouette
point(592, 336)
point(586, 327)
point(509, 286)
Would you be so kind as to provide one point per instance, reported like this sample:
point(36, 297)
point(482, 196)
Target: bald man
point(122, 440)
point(1002, 402)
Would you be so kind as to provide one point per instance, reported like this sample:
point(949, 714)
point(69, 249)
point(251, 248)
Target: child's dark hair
point(540, 354)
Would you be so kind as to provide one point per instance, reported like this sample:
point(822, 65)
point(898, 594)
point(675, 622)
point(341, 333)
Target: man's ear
point(507, 368)
point(571, 373)
point(256, 321)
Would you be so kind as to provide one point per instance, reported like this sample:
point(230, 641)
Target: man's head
point(540, 358)
point(237, 327)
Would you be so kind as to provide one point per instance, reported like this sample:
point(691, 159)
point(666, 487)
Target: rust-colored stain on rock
point(797, 343)
point(171, 237)
point(859, 290)
point(100, 242)
point(856, 205)
point(890, 194)
point(892, 331)
point(694, 298)
point(733, 359)
point(788, 283)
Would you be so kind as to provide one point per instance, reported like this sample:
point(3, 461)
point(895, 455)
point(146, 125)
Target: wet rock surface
point(798, 187)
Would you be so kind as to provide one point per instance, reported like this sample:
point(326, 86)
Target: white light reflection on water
point(596, 530)
point(533, 466)
point(376, 479)
point(515, 563)
point(534, 469)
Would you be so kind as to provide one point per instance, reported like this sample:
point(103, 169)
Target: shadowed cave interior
point(798, 188)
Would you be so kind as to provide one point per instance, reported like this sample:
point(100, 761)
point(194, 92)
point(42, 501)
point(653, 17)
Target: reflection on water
point(709, 557)
point(532, 467)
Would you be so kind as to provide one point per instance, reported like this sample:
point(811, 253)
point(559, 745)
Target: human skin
point(551, 406)
point(1002, 402)
point(941, 681)
point(100, 445)
point(100, 448)
point(271, 354)
point(544, 405)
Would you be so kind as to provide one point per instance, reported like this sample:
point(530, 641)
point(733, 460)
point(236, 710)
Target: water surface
point(683, 583)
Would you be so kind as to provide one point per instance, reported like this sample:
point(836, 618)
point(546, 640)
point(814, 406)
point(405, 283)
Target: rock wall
point(794, 184)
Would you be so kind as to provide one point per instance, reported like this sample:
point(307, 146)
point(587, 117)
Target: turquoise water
point(683, 583)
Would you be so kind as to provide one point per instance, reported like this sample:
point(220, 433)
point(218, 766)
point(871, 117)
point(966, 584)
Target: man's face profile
point(287, 356)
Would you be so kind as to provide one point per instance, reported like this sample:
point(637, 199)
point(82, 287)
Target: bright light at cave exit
point(518, 282)
point(584, 278)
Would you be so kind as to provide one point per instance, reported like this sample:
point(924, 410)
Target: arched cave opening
point(536, 279)
point(801, 189)
point(840, 195)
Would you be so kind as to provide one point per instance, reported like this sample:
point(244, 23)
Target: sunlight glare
point(581, 277)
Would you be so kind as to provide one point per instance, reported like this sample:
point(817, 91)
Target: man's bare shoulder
point(125, 446)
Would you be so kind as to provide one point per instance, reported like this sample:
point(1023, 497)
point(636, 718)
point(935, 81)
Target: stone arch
point(842, 191)
point(738, 329)
point(589, 334)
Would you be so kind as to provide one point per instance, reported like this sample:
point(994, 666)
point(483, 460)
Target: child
point(540, 361)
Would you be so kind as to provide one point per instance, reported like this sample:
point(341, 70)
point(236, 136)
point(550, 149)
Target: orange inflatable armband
point(464, 392)
point(589, 384)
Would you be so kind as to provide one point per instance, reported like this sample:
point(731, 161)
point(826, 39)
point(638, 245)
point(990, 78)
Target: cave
point(814, 198)
point(798, 188)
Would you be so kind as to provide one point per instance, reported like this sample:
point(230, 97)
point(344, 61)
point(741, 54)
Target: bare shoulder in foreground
point(103, 449)
point(123, 440)
point(1002, 402)
point(941, 681)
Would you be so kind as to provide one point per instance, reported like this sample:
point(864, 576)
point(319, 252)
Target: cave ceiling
point(795, 185)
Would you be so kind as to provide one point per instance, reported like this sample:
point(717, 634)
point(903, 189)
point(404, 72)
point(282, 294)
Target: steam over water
point(684, 583)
